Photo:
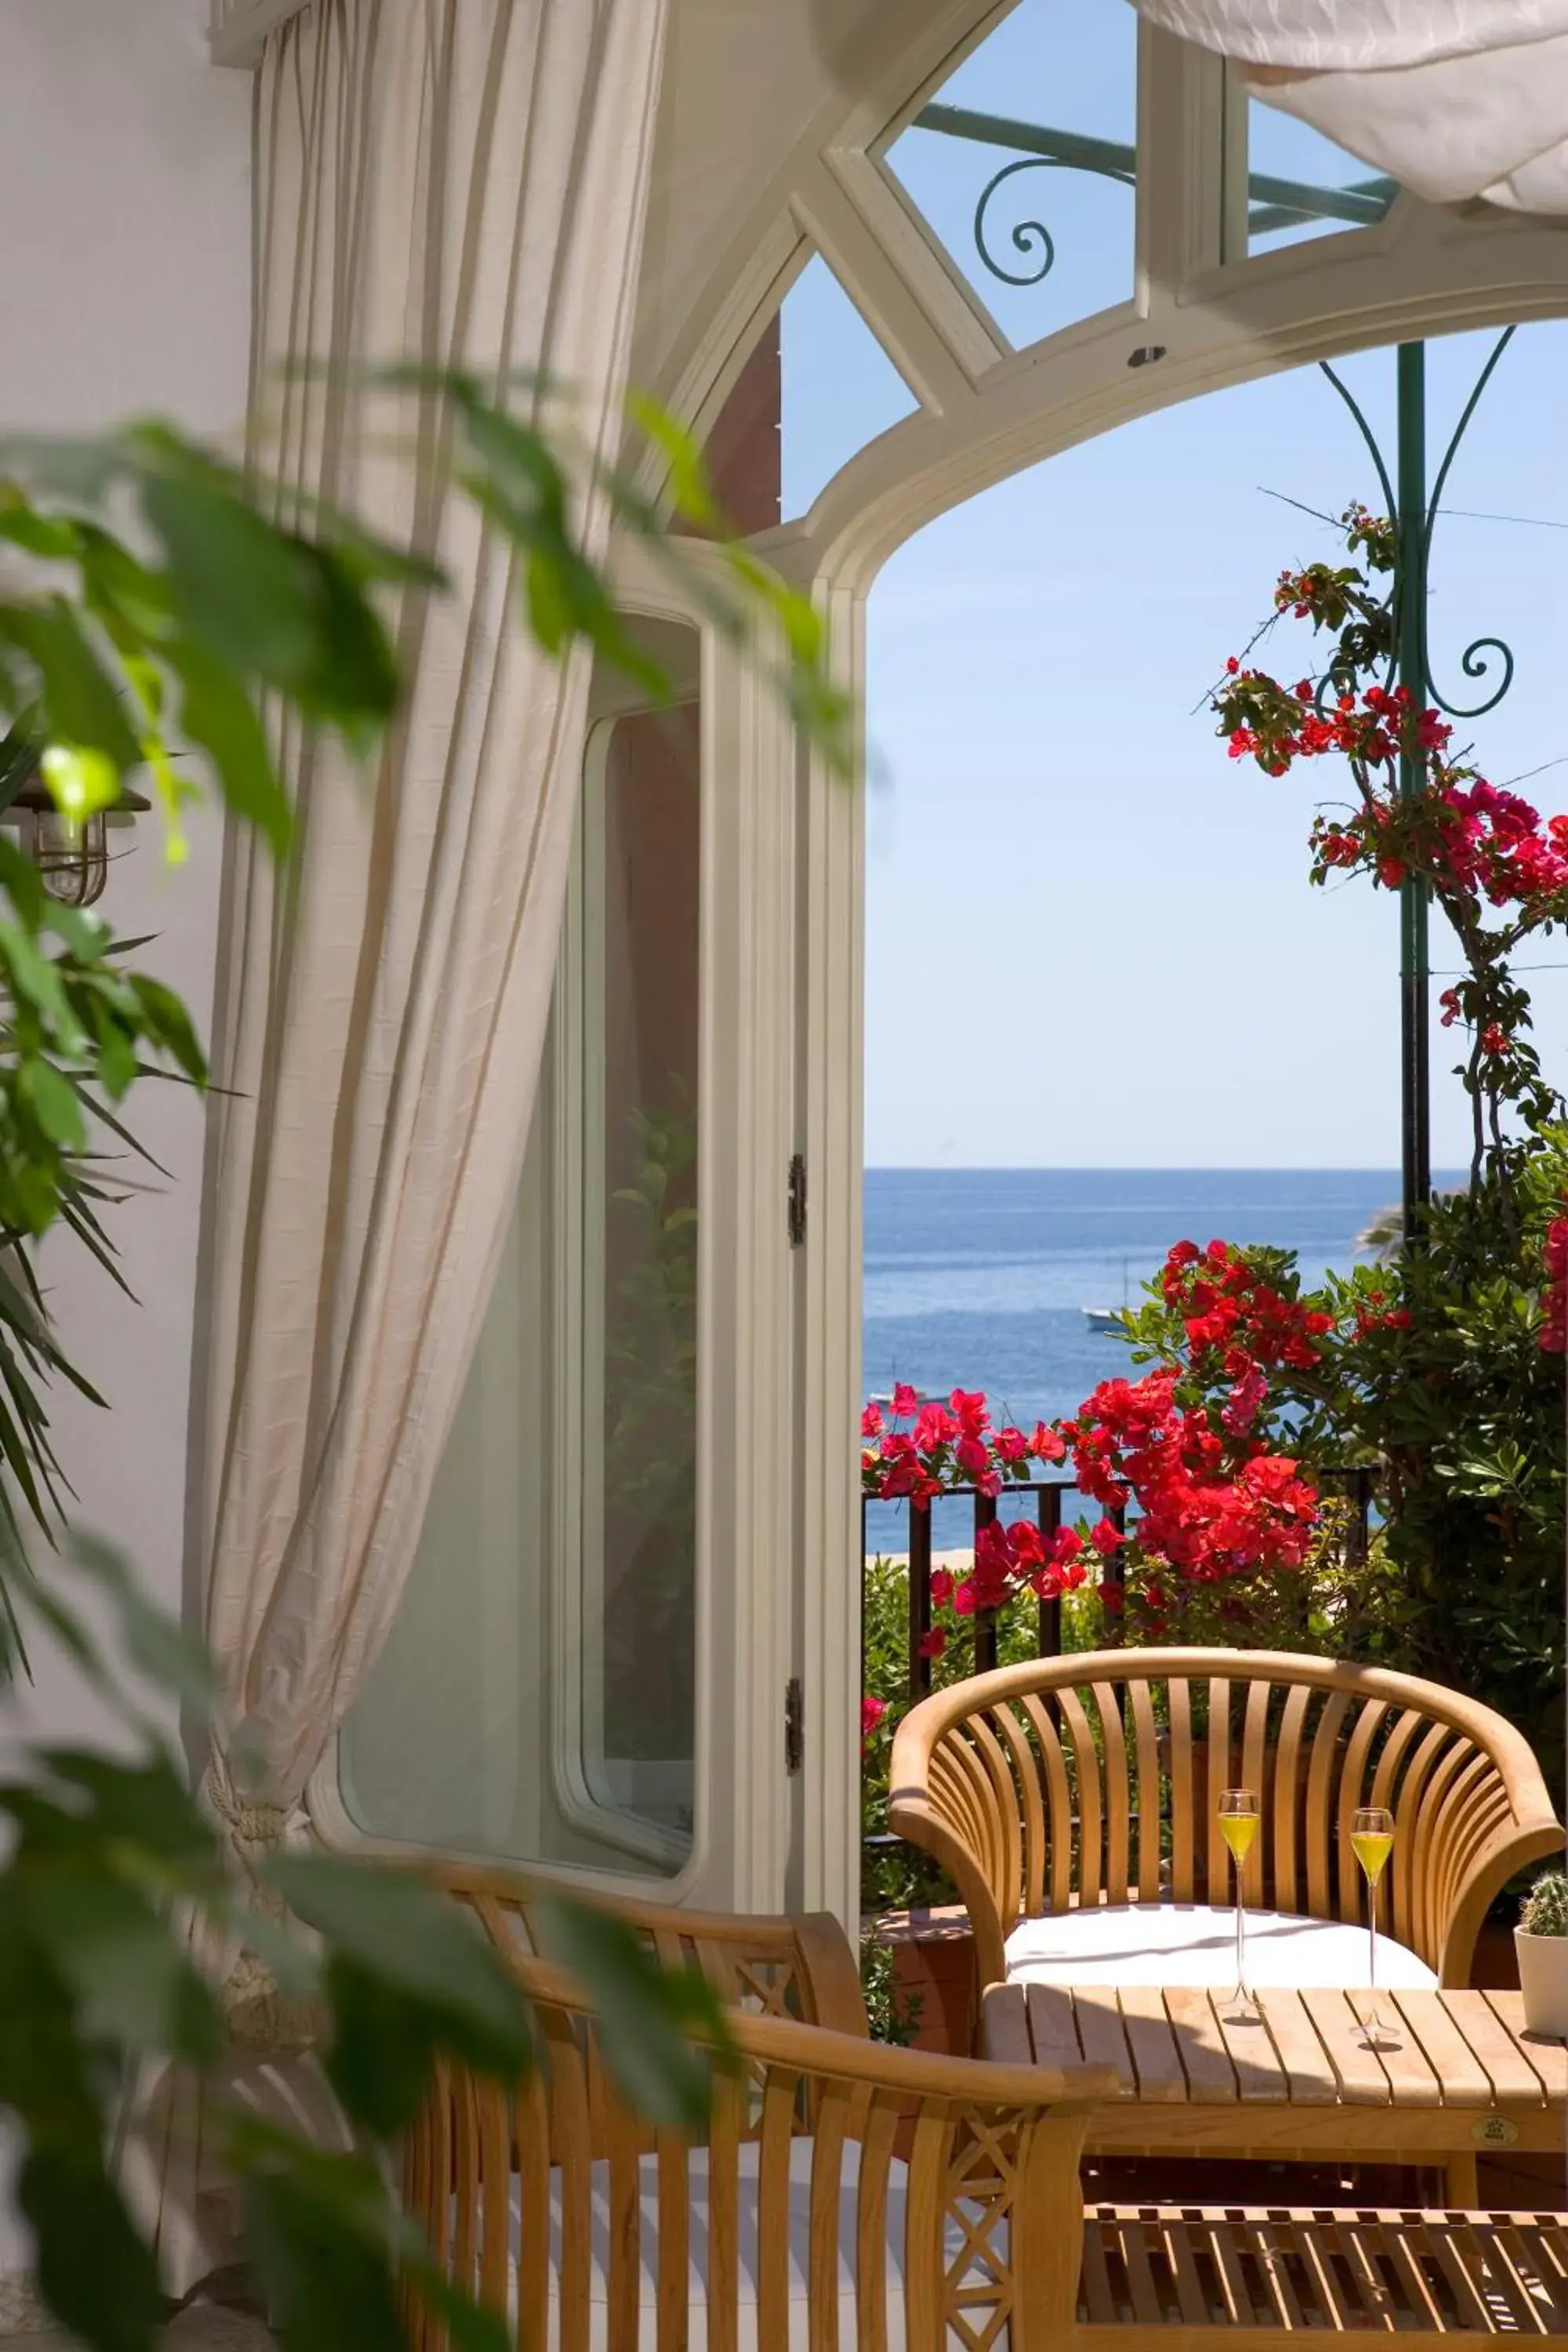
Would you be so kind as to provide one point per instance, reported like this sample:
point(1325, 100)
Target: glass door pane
point(535, 1699)
point(639, 1687)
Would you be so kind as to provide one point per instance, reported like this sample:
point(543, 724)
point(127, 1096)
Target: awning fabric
point(1455, 98)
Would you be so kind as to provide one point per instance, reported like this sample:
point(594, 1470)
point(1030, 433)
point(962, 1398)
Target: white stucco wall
point(124, 288)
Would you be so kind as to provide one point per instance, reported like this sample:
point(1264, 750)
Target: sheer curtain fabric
point(458, 184)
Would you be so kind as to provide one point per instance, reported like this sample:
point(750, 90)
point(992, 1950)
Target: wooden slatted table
point(1460, 2073)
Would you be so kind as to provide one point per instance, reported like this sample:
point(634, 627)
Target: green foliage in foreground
point(119, 654)
point(126, 652)
point(111, 1859)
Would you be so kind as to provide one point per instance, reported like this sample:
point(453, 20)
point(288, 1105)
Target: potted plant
point(1541, 1941)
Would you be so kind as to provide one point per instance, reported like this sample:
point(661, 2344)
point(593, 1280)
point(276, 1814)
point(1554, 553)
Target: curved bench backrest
point(798, 1964)
point(1096, 1779)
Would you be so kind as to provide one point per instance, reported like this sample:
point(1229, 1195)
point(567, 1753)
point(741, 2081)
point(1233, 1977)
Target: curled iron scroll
point(1474, 661)
point(1030, 236)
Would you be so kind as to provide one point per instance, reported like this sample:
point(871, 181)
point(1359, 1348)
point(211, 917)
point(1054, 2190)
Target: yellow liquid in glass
point(1239, 1830)
point(1371, 1849)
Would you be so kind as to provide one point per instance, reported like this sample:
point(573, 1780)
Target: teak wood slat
point(1151, 2043)
point(1206, 2060)
point(1259, 2073)
point(1184, 1792)
point(1316, 1736)
point(1310, 2077)
point(1548, 2059)
point(1514, 2078)
point(1146, 1745)
point(1252, 2280)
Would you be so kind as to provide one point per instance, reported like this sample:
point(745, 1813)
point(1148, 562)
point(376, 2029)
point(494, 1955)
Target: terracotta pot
point(1543, 1981)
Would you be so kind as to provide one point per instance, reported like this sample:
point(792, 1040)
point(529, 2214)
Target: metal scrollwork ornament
point(1029, 237)
point(1476, 660)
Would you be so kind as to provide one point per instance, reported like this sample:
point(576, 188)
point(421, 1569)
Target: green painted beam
point(1295, 201)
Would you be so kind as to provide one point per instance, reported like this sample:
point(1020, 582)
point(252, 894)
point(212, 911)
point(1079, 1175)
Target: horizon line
point(1136, 1168)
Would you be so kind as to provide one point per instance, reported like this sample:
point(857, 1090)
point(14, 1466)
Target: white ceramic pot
point(1543, 1981)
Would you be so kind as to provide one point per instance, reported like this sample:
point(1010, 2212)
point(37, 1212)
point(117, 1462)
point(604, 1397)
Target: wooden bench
point(846, 2194)
point(1073, 1802)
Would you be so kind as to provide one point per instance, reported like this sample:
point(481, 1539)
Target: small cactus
point(1545, 1911)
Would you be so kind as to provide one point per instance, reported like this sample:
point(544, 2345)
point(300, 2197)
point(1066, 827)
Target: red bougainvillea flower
point(1112, 1598)
point(1107, 1538)
point(933, 1645)
point(1449, 1001)
point(942, 1585)
point(949, 1446)
point(872, 1711)
point(906, 1400)
point(974, 1458)
point(934, 1425)
point(1245, 1399)
point(1495, 1038)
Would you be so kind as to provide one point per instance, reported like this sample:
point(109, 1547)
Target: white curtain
point(1454, 98)
point(461, 182)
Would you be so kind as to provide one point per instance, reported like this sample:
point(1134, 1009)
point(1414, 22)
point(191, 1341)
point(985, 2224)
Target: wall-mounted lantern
point(72, 854)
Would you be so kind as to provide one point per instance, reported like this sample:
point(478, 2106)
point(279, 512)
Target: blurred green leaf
point(96, 2272)
point(382, 2046)
point(124, 1964)
point(328, 2281)
point(394, 1927)
point(78, 697)
point(244, 589)
point(170, 1656)
point(218, 714)
point(54, 1101)
point(646, 2017)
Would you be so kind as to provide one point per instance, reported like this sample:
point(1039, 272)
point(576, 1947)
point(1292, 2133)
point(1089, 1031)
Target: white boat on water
point(1108, 1318)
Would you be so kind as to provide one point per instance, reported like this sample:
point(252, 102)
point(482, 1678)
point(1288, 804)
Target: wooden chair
point(1089, 1784)
point(798, 1966)
point(846, 2194)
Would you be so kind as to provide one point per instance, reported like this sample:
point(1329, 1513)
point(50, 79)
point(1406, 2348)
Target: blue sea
point(977, 1278)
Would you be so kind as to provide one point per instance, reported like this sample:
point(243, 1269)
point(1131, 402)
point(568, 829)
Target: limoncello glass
point(1372, 1842)
point(1238, 1826)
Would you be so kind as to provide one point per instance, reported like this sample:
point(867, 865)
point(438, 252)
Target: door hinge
point(794, 1725)
point(796, 1200)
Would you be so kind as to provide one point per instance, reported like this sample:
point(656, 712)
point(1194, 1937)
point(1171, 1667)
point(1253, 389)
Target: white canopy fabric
point(1455, 98)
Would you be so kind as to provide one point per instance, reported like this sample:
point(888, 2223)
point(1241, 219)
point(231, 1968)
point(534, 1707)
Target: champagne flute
point(1239, 1827)
point(1372, 1842)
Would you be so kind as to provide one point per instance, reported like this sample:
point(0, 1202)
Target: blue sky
point(1091, 940)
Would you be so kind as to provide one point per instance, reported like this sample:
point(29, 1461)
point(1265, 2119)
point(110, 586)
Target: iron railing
point(1354, 1485)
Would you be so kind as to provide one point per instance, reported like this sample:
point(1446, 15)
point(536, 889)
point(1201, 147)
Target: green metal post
point(1414, 1054)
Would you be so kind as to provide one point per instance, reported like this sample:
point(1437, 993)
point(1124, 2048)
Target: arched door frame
point(987, 411)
